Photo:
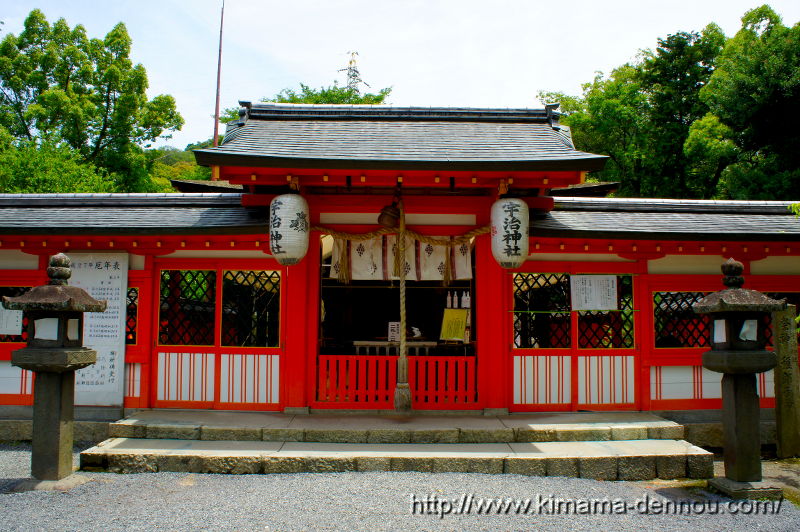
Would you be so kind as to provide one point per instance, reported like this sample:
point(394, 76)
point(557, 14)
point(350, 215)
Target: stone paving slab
point(416, 428)
point(631, 460)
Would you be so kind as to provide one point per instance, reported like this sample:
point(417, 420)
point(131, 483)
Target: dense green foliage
point(755, 92)
point(46, 167)
point(82, 101)
point(702, 116)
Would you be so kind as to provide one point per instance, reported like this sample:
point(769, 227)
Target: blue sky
point(488, 53)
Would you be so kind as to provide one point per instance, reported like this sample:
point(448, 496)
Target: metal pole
point(219, 75)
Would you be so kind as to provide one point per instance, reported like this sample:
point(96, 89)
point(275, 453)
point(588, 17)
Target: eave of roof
point(128, 214)
point(222, 213)
point(691, 226)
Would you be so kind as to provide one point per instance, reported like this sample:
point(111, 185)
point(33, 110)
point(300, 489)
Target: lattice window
point(131, 315)
point(541, 310)
point(15, 291)
point(251, 308)
point(187, 307)
point(606, 329)
point(676, 324)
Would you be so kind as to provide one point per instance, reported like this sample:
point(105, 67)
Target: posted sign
point(104, 276)
point(594, 292)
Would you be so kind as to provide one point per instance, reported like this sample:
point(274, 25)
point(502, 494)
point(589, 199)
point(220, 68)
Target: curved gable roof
point(376, 136)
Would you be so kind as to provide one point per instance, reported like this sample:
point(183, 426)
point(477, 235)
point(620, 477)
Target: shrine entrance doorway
point(356, 366)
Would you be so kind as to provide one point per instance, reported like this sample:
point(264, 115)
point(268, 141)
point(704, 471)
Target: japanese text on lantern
point(275, 223)
point(511, 229)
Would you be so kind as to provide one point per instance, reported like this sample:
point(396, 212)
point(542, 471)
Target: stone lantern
point(54, 352)
point(738, 338)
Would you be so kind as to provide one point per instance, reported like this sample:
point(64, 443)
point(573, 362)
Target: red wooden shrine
point(214, 322)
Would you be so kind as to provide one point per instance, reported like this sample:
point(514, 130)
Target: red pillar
point(492, 313)
point(301, 283)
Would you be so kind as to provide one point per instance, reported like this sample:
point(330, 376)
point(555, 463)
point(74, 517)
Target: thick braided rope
point(401, 251)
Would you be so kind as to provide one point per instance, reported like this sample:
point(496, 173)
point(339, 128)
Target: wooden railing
point(368, 382)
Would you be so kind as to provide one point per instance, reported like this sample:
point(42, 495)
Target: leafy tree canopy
point(755, 93)
point(61, 88)
point(701, 115)
point(45, 167)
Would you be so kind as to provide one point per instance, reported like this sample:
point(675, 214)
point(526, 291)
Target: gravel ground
point(348, 501)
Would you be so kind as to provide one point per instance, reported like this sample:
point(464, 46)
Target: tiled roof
point(624, 218)
point(399, 138)
point(126, 214)
point(611, 218)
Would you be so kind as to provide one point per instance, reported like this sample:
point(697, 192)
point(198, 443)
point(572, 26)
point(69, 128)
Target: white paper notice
point(394, 331)
point(10, 321)
point(105, 277)
point(594, 292)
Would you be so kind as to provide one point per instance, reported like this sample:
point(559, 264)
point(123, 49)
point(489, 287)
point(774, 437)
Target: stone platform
point(607, 446)
point(359, 428)
point(610, 460)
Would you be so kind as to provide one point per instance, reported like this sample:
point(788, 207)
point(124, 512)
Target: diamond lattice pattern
point(131, 315)
point(187, 307)
point(251, 308)
point(541, 310)
point(676, 324)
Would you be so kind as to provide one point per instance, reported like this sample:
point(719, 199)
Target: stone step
point(333, 428)
point(606, 460)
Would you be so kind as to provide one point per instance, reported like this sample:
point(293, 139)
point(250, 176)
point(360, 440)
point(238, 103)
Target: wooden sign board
point(454, 324)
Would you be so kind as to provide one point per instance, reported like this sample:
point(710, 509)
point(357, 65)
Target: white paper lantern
point(510, 232)
point(288, 228)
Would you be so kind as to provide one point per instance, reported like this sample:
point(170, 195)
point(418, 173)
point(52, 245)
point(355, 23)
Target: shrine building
point(517, 298)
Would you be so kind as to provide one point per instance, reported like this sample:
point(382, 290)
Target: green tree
point(672, 77)
point(755, 92)
point(58, 86)
point(642, 114)
point(46, 167)
point(610, 118)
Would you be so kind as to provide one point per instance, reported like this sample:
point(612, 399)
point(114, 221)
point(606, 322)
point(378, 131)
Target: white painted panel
point(686, 264)
point(577, 257)
point(369, 218)
point(135, 262)
point(775, 266)
point(712, 384)
point(249, 378)
point(541, 380)
point(185, 377)
point(14, 380)
point(220, 254)
point(606, 380)
point(275, 373)
point(672, 382)
point(133, 380)
point(766, 384)
point(13, 259)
